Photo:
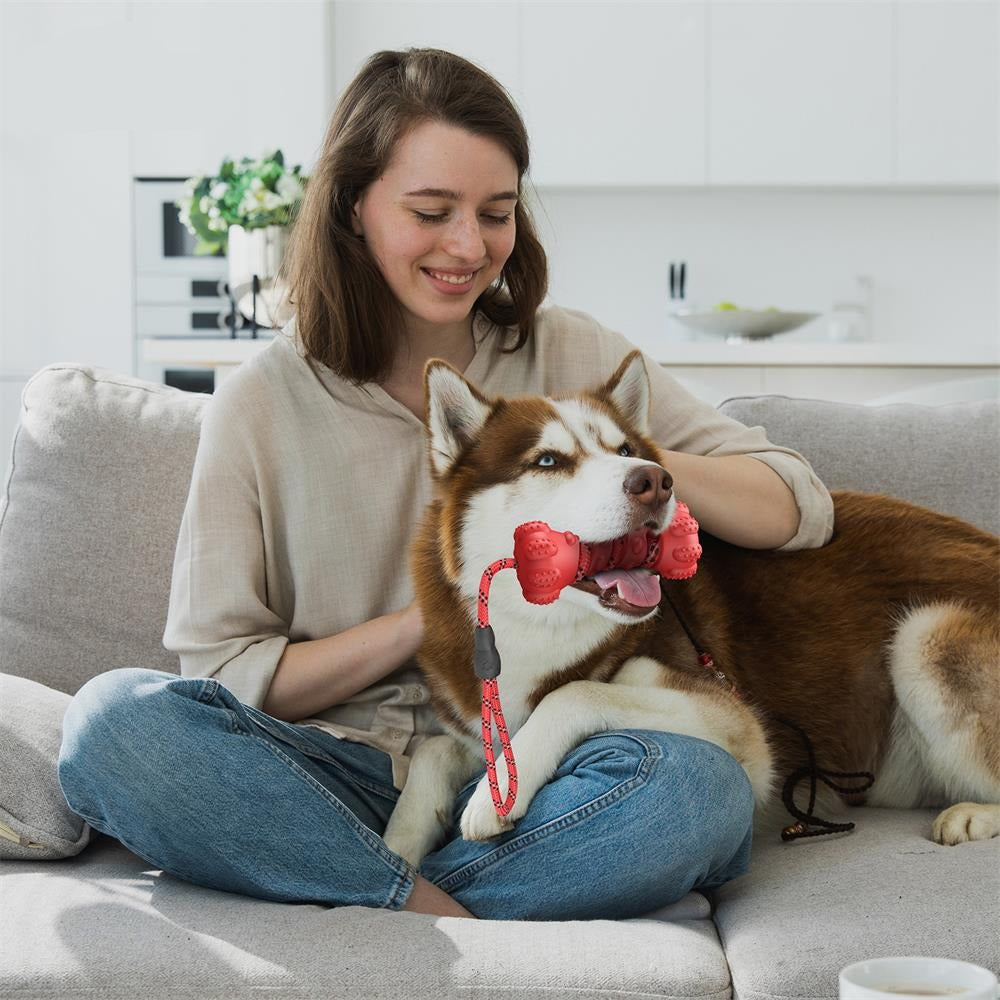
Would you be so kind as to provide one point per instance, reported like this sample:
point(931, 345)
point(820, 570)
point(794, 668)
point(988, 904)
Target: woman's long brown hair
point(346, 315)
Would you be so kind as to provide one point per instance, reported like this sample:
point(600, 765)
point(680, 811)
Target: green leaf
point(203, 248)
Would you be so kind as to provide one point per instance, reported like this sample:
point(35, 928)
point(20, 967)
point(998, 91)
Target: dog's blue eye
point(546, 461)
point(625, 451)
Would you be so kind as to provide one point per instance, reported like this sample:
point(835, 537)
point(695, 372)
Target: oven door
point(190, 379)
point(162, 243)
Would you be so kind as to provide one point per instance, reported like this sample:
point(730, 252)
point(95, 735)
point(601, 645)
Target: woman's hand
point(736, 498)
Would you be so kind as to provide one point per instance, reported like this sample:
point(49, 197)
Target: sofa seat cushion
point(99, 474)
point(35, 821)
point(808, 908)
point(942, 457)
point(107, 924)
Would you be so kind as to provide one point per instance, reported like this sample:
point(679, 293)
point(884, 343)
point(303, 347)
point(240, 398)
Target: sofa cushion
point(942, 457)
point(108, 924)
point(99, 475)
point(35, 821)
point(809, 907)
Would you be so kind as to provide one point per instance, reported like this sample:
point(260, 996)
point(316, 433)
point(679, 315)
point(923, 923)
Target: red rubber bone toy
point(548, 561)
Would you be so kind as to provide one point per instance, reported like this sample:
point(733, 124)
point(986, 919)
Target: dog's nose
point(648, 484)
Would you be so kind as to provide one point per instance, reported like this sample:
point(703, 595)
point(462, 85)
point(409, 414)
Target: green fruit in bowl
point(726, 307)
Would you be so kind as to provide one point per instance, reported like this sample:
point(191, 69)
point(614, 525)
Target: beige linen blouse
point(306, 491)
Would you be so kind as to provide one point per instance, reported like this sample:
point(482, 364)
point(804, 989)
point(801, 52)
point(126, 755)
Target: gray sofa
point(96, 484)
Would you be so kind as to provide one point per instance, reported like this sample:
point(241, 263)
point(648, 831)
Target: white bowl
point(745, 324)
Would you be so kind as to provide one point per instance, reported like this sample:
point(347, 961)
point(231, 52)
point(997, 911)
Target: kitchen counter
point(701, 353)
point(202, 352)
point(847, 372)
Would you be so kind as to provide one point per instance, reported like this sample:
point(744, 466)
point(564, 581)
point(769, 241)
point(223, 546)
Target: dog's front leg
point(567, 716)
point(563, 719)
point(440, 766)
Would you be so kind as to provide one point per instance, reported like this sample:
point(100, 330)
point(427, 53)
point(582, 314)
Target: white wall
point(933, 258)
point(94, 94)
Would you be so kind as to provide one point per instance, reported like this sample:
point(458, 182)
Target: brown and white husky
point(883, 645)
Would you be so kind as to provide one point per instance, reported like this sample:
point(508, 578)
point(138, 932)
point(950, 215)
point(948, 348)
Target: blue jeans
point(220, 794)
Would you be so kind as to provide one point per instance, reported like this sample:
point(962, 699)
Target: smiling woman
point(292, 605)
point(438, 248)
point(413, 215)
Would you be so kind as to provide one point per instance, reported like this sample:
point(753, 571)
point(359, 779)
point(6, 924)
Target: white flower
point(256, 184)
point(218, 190)
point(213, 212)
point(290, 188)
point(248, 205)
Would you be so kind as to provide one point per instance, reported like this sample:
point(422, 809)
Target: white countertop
point(672, 354)
point(207, 352)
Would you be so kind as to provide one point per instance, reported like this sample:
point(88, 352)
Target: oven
point(181, 300)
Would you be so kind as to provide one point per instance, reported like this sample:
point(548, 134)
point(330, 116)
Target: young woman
point(271, 766)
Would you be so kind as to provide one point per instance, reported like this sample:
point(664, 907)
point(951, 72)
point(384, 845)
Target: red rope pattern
point(491, 705)
point(483, 614)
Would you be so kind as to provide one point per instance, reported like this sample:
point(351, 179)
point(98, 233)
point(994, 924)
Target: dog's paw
point(480, 820)
point(967, 821)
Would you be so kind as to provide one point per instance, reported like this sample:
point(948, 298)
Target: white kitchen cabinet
point(713, 384)
point(484, 33)
point(800, 93)
point(776, 93)
point(858, 385)
point(947, 88)
point(614, 93)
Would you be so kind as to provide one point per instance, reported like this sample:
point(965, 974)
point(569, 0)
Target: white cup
point(914, 978)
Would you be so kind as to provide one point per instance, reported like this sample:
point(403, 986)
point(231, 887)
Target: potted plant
point(245, 211)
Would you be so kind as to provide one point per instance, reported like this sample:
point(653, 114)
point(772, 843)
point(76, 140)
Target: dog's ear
point(628, 389)
point(456, 412)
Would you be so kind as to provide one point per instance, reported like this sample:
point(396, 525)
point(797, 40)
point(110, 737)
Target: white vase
point(258, 252)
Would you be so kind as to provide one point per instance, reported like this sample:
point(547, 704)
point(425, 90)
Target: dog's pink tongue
point(637, 586)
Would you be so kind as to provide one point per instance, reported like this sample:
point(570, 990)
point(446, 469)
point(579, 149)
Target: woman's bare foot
point(426, 897)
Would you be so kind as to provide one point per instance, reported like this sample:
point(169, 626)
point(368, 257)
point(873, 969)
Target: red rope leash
point(487, 662)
